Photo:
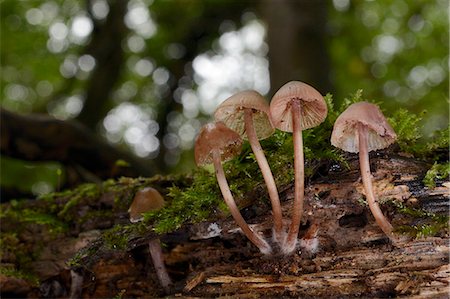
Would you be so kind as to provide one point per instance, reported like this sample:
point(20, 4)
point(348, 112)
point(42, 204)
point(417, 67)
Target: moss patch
point(407, 126)
point(33, 280)
point(427, 224)
point(436, 172)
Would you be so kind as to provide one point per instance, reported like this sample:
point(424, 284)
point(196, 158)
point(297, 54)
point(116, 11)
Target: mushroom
point(247, 113)
point(362, 128)
point(297, 106)
point(76, 284)
point(216, 143)
point(145, 200)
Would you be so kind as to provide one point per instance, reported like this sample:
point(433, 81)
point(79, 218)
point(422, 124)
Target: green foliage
point(50, 178)
point(192, 204)
point(436, 172)
point(317, 139)
point(11, 272)
point(117, 237)
point(120, 294)
point(82, 193)
point(440, 141)
point(19, 214)
point(428, 230)
point(407, 126)
point(400, 76)
point(11, 245)
point(431, 224)
point(396, 55)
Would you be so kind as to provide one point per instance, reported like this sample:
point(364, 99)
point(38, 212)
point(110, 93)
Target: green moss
point(120, 294)
point(431, 224)
point(407, 125)
point(428, 230)
point(117, 237)
point(317, 140)
point(423, 230)
point(18, 213)
point(77, 260)
point(436, 172)
point(440, 142)
point(11, 272)
point(202, 199)
point(12, 249)
point(191, 204)
point(363, 202)
point(415, 213)
point(82, 193)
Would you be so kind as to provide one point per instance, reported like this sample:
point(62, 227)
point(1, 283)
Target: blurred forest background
point(142, 76)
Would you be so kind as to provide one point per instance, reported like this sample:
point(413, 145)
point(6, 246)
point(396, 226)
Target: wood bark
point(342, 253)
point(296, 34)
point(106, 48)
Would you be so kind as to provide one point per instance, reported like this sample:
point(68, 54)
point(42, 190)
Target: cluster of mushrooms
point(295, 107)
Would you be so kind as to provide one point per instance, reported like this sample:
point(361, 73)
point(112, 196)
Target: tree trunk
point(342, 252)
point(106, 48)
point(297, 42)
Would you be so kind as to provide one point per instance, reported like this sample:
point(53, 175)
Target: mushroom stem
point(76, 285)
point(382, 222)
point(267, 175)
point(256, 239)
point(154, 247)
point(299, 176)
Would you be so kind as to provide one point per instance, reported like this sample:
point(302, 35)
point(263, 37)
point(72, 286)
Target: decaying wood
point(342, 252)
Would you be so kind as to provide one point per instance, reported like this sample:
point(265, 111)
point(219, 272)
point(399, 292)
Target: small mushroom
point(216, 143)
point(247, 113)
point(362, 128)
point(145, 200)
point(76, 284)
point(297, 106)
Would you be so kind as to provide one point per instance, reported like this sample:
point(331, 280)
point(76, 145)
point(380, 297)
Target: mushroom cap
point(145, 200)
point(231, 113)
point(345, 131)
point(216, 136)
point(314, 109)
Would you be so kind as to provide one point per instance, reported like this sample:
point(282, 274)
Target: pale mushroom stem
point(267, 175)
point(256, 239)
point(382, 222)
point(299, 177)
point(154, 247)
point(76, 285)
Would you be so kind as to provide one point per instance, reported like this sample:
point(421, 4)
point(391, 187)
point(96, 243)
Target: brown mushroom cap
point(380, 133)
point(314, 109)
point(145, 200)
point(216, 136)
point(231, 113)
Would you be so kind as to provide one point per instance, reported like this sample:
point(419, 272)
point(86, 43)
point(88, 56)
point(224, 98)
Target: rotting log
point(342, 252)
